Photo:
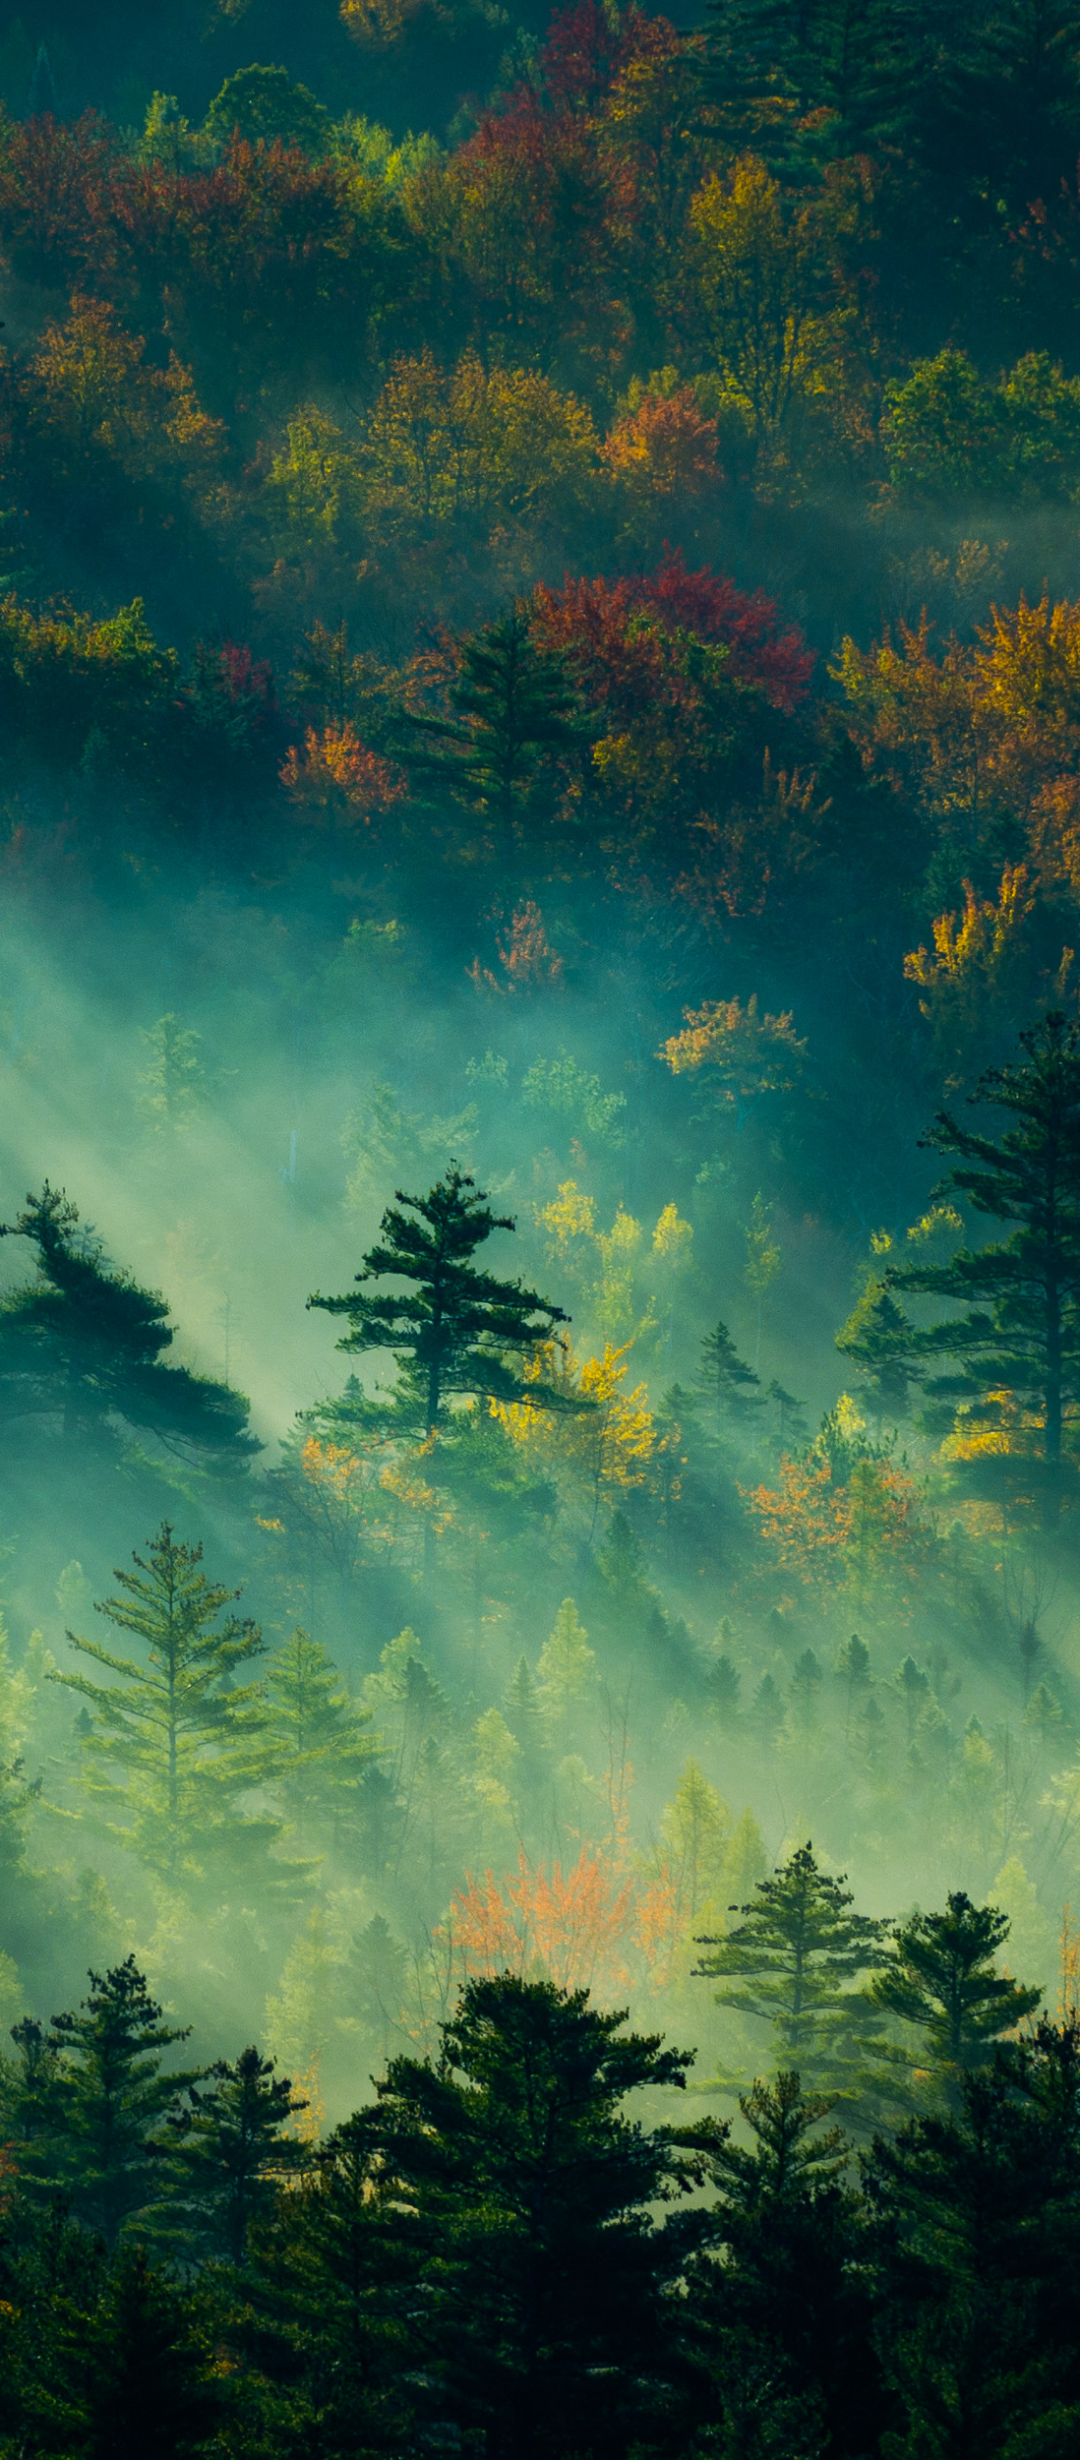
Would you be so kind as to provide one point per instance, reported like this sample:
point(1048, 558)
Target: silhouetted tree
point(452, 1330)
point(941, 1977)
point(82, 1345)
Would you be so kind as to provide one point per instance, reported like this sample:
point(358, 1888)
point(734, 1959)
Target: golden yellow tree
point(768, 279)
point(598, 1453)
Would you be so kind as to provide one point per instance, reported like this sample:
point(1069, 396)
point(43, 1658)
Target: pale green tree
point(174, 1738)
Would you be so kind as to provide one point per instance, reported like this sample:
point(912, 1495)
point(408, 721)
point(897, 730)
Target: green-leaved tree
point(453, 1327)
point(82, 1344)
point(317, 1745)
point(797, 1962)
point(174, 1738)
point(941, 1977)
point(1019, 1329)
point(104, 2139)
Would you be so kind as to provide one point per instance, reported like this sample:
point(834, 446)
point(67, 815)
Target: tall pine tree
point(1020, 1332)
point(175, 1738)
point(81, 1349)
point(452, 1329)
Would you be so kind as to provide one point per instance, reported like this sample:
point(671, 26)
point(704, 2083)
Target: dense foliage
point(540, 818)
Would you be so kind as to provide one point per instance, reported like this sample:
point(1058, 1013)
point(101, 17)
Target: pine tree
point(790, 1964)
point(1022, 1329)
point(723, 1684)
point(81, 1347)
point(174, 1739)
point(453, 1330)
point(233, 2150)
point(344, 2304)
point(769, 65)
point(134, 2370)
point(766, 1709)
point(526, 1721)
point(782, 2325)
point(976, 2214)
point(723, 1378)
point(513, 702)
point(941, 1977)
point(912, 1685)
point(566, 1662)
point(171, 1088)
point(694, 1830)
point(316, 1747)
point(880, 1341)
point(853, 1668)
point(106, 2102)
point(512, 2155)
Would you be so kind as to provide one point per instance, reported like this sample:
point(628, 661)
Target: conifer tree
point(316, 1747)
point(1021, 1331)
point(512, 2153)
point(451, 1332)
point(513, 701)
point(782, 2324)
point(880, 1342)
point(694, 1830)
point(791, 1963)
point(337, 2280)
point(941, 1977)
point(134, 2367)
point(767, 1709)
point(976, 2213)
point(81, 1346)
point(233, 2148)
point(107, 2102)
point(723, 1683)
point(853, 1669)
point(525, 1719)
point(175, 1737)
point(566, 1662)
point(724, 1379)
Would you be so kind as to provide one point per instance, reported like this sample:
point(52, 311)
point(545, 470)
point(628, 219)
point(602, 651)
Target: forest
point(540, 820)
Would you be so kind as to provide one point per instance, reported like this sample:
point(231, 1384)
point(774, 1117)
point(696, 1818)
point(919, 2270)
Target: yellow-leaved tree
point(767, 264)
point(596, 1454)
point(469, 445)
point(627, 1282)
point(737, 1052)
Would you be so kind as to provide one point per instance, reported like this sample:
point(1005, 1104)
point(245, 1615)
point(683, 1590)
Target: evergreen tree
point(766, 1710)
point(770, 64)
point(781, 2328)
point(454, 1328)
point(174, 1739)
point(172, 1086)
point(880, 1342)
point(526, 1721)
point(234, 2150)
point(341, 2290)
point(853, 1668)
point(316, 1746)
point(105, 2103)
point(790, 1963)
point(510, 2155)
point(513, 703)
point(941, 1977)
point(1022, 1329)
point(566, 1663)
point(134, 2371)
point(977, 2234)
point(723, 1684)
point(81, 1347)
point(726, 1382)
point(694, 1830)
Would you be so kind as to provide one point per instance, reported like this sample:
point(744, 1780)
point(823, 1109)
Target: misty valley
point(540, 1230)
